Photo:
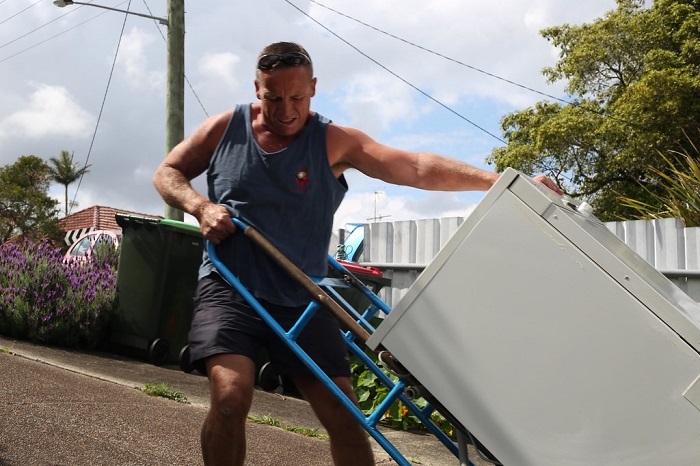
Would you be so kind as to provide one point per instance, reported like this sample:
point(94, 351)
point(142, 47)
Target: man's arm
point(186, 161)
point(350, 148)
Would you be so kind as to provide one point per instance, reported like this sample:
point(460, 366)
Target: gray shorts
point(223, 323)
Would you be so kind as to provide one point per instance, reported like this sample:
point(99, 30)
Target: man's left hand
point(548, 182)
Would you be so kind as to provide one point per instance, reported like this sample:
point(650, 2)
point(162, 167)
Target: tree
point(26, 209)
point(634, 81)
point(63, 171)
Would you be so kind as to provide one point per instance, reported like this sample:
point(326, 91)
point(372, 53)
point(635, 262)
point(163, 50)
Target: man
point(279, 166)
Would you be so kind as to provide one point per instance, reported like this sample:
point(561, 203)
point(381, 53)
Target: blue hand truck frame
point(324, 294)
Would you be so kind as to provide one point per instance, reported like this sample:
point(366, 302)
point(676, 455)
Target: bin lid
point(127, 220)
point(181, 225)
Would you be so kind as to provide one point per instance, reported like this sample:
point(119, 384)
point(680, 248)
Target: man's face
point(285, 95)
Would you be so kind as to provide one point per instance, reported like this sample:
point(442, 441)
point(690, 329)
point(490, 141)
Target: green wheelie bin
point(156, 282)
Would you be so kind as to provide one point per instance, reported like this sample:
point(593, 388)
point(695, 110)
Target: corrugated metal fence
point(403, 249)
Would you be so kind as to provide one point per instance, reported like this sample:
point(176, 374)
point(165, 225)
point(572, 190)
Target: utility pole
point(175, 100)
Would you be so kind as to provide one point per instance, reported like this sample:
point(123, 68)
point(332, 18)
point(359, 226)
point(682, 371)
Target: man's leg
point(231, 379)
point(350, 443)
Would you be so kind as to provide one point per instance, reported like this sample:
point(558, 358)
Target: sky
point(411, 74)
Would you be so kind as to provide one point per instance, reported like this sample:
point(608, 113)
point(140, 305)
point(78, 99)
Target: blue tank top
point(289, 196)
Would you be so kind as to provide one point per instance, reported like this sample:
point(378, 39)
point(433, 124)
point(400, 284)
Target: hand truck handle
point(307, 283)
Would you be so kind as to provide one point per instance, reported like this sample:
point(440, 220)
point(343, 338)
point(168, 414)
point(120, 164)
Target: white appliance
point(550, 340)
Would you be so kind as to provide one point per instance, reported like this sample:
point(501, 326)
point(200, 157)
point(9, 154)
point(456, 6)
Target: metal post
point(175, 100)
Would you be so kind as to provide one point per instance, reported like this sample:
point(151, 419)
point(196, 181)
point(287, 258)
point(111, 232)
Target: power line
point(573, 104)
point(46, 40)
point(71, 10)
point(185, 76)
point(40, 27)
point(104, 99)
point(425, 49)
point(52, 37)
point(189, 84)
point(99, 116)
point(20, 12)
point(424, 93)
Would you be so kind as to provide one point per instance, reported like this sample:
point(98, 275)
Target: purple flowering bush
point(43, 299)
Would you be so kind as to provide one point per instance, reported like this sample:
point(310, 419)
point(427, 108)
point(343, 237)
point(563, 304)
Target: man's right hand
point(215, 222)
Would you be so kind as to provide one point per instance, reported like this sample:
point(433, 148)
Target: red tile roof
point(97, 217)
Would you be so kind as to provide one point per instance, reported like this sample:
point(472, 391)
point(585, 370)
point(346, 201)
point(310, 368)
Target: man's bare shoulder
point(345, 136)
point(211, 130)
point(347, 146)
point(220, 118)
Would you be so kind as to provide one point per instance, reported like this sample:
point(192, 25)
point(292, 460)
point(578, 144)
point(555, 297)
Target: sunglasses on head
point(271, 61)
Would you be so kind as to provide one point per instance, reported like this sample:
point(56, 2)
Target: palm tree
point(64, 171)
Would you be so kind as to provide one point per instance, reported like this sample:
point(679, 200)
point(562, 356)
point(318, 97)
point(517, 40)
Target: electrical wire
point(424, 93)
point(185, 76)
point(189, 84)
point(48, 40)
point(598, 112)
point(99, 116)
point(73, 10)
point(104, 99)
point(425, 49)
point(18, 13)
point(34, 30)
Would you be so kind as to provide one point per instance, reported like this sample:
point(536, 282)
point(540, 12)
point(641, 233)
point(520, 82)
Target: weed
point(268, 420)
point(164, 391)
point(305, 431)
point(271, 421)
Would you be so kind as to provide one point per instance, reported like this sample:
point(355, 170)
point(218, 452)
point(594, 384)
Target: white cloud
point(134, 59)
point(501, 38)
point(49, 111)
point(374, 103)
point(221, 44)
point(407, 204)
point(220, 67)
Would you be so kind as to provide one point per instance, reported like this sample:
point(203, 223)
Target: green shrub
point(370, 392)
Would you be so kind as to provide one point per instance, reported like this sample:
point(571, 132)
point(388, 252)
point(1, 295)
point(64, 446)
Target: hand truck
point(357, 328)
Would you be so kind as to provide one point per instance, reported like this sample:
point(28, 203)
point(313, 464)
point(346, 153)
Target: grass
point(4, 350)
point(164, 391)
point(680, 189)
point(274, 422)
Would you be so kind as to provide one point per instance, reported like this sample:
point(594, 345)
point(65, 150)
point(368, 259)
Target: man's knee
point(231, 386)
point(231, 406)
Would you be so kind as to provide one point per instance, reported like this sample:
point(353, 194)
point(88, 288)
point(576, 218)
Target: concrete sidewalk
point(63, 407)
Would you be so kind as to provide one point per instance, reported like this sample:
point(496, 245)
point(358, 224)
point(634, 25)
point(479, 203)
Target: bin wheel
point(184, 360)
point(158, 352)
point(268, 379)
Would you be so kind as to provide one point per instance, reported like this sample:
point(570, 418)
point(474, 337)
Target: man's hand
point(548, 182)
point(215, 222)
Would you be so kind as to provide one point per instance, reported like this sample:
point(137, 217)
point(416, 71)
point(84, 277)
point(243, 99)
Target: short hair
point(280, 48)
